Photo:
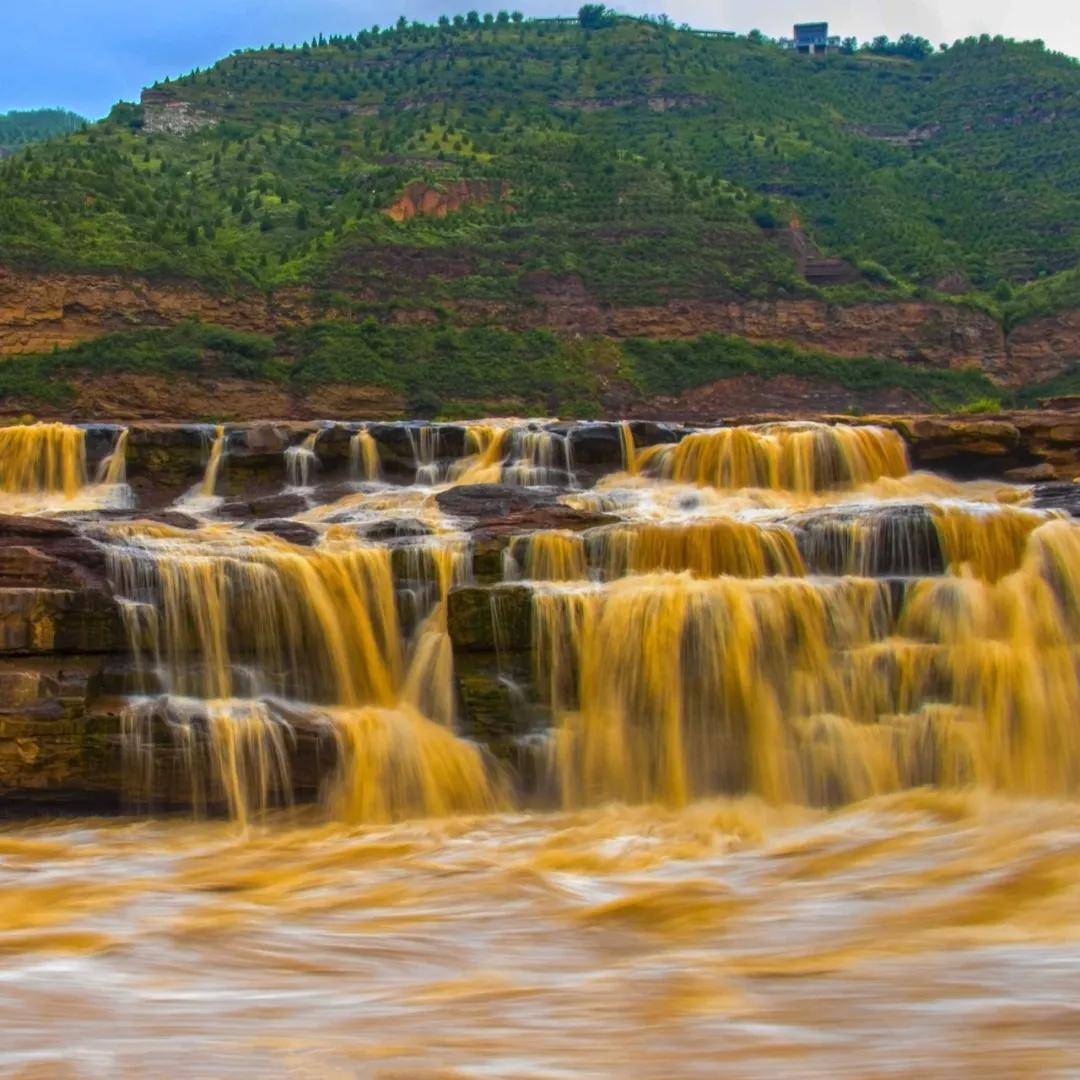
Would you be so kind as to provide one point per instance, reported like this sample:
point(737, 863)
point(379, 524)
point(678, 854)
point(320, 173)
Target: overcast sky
point(86, 54)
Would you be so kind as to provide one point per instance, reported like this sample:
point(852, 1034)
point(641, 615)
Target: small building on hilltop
point(811, 39)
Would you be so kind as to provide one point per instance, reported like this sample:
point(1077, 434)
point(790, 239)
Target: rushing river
point(785, 786)
point(925, 934)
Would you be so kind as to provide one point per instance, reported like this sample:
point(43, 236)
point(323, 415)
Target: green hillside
point(23, 126)
point(642, 157)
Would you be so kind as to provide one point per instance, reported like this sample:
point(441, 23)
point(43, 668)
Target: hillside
point(20, 127)
point(629, 182)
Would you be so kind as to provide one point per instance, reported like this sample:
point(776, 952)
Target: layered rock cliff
point(42, 311)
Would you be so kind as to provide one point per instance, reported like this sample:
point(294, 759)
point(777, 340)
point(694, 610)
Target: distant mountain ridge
point(20, 127)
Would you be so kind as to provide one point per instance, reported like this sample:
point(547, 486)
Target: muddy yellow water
point(924, 934)
point(801, 800)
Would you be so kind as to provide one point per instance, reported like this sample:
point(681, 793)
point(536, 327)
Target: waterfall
point(232, 624)
point(364, 456)
point(42, 458)
point(800, 457)
point(668, 687)
point(301, 462)
point(208, 487)
point(113, 469)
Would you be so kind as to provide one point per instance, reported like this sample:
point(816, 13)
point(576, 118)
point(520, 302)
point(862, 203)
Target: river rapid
point(926, 933)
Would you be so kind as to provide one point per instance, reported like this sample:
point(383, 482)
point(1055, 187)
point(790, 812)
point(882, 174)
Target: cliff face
point(425, 200)
point(39, 311)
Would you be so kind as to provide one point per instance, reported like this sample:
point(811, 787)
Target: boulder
point(295, 532)
point(597, 443)
point(1031, 474)
point(280, 505)
point(484, 502)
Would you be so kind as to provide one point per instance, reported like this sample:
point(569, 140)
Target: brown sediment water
point(927, 933)
point(364, 456)
point(804, 755)
point(791, 456)
point(42, 458)
point(113, 469)
point(213, 462)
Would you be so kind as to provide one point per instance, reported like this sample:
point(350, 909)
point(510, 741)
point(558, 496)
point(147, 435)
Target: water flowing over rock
point(393, 620)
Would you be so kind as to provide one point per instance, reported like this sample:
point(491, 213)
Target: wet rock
point(280, 505)
point(175, 518)
point(488, 501)
point(495, 618)
point(165, 460)
point(25, 567)
point(100, 441)
point(451, 440)
point(45, 551)
point(393, 529)
point(651, 433)
point(965, 447)
point(885, 541)
point(1064, 495)
point(38, 621)
point(294, 532)
point(332, 444)
point(496, 699)
point(331, 493)
point(395, 445)
point(487, 557)
point(12, 525)
point(533, 519)
point(597, 444)
point(58, 759)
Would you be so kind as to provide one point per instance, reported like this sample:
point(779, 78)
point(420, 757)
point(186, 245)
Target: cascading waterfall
point(233, 626)
point(113, 468)
point(425, 442)
point(668, 687)
point(765, 618)
point(486, 447)
point(364, 457)
point(301, 461)
point(215, 458)
point(550, 555)
point(705, 548)
point(798, 457)
point(42, 458)
point(629, 450)
point(760, 751)
point(539, 457)
point(514, 454)
point(989, 543)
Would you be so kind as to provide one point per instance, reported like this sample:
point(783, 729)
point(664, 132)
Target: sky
point(87, 54)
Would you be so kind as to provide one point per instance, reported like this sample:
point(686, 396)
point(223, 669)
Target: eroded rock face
point(40, 311)
point(49, 621)
point(420, 199)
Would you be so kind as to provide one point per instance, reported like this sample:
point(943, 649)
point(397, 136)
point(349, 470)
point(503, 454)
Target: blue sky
point(86, 54)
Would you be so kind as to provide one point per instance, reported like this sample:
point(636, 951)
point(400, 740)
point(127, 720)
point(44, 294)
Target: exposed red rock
point(428, 200)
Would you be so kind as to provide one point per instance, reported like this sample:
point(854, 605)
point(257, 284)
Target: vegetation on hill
point(650, 161)
point(450, 372)
point(22, 126)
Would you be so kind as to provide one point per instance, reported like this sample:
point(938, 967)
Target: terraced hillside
point(612, 187)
